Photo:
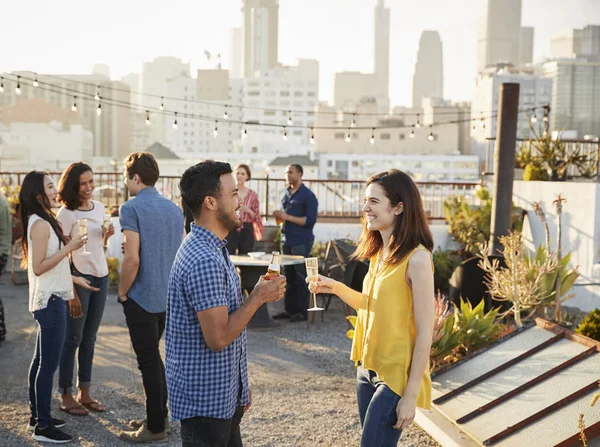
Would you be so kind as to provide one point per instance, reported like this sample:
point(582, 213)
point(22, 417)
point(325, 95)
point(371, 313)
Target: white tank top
point(56, 281)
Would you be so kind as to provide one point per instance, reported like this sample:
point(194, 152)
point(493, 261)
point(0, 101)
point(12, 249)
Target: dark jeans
point(3, 262)
point(146, 330)
point(81, 333)
point(296, 292)
point(48, 346)
point(241, 242)
point(377, 410)
point(210, 432)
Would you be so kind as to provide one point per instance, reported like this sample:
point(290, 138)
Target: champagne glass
point(312, 272)
point(83, 229)
point(105, 226)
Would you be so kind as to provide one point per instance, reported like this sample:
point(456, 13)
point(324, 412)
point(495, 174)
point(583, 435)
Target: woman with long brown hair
point(394, 327)
point(45, 254)
point(241, 240)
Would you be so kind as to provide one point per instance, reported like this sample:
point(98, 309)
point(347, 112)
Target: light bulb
point(545, 118)
point(348, 138)
point(99, 110)
point(372, 139)
point(225, 115)
point(418, 122)
point(162, 104)
point(245, 133)
point(147, 118)
point(175, 122)
point(430, 136)
point(312, 136)
point(289, 121)
point(216, 130)
point(18, 87)
point(284, 135)
point(97, 96)
point(482, 123)
point(412, 134)
point(353, 121)
point(533, 118)
point(1, 84)
point(74, 106)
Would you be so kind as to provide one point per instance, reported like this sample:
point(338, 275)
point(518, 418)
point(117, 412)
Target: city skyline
point(337, 33)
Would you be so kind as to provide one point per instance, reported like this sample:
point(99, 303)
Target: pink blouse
point(251, 201)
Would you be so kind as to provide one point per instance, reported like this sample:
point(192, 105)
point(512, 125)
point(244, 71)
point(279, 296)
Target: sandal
point(76, 410)
point(93, 405)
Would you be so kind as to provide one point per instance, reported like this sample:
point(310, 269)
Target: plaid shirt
point(202, 382)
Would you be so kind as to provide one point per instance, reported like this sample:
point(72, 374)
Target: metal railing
point(339, 200)
point(589, 148)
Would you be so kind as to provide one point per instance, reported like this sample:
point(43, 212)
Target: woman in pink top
point(75, 189)
point(241, 240)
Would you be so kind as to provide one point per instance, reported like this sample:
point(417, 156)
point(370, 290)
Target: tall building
point(566, 44)
point(382, 50)
point(155, 75)
point(534, 92)
point(291, 90)
point(353, 87)
point(526, 45)
point(590, 43)
point(235, 54)
point(260, 32)
point(428, 80)
point(575, 96)
point(499, 33)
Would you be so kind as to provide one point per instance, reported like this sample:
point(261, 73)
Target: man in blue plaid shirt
point(206, 362)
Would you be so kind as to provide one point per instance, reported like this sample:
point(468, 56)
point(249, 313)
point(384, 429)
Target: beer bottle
point(274, 266)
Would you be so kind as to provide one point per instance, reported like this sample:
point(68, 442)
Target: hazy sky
point(70, 36)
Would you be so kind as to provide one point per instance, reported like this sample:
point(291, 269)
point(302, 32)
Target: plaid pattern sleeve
point(202, 382)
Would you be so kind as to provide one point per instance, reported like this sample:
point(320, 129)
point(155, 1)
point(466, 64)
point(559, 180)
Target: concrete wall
point(580, 229)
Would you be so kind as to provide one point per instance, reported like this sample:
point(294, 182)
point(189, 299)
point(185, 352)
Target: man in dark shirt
point(299, 214)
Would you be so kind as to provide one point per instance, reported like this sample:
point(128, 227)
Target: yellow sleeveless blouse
point(385, 333)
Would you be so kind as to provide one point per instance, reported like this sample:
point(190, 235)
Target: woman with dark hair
point(90, 271)
point(395, 311)
point(241, 240)
point(45, 253)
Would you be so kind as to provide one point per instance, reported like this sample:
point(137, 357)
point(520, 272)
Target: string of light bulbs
point(230, 106)
point(99, 99)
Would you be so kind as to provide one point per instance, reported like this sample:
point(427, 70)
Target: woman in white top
point(45, 254)
point(75, 189)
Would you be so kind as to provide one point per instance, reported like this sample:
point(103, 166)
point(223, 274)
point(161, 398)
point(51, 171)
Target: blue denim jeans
point(81, 333)
point(377, 410)
point(297, 294)
point(50, 339)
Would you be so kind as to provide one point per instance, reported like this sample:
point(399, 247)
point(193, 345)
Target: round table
point(250, 271)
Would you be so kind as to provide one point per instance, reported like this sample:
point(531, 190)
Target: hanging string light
point(74, 106)
point(18, 87)
point(162, 104)
point(284, 134)
point(533, 118)
point(372, 139)
point(1, 84)
point(35, 82)
point(430, 137)
point(348, 137)
point(289, 121)
point(546, 113)
point(99, 109)
point(216, 130)
point(147, 118)
point(175, 122)
point(245, 133)
point(225, 115)
point(482, 121)
point(312, 136)
point(412, 133)
point(97, 96)
point(418, 122)
point(353, 125)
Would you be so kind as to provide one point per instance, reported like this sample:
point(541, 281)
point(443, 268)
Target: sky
point(70, 36)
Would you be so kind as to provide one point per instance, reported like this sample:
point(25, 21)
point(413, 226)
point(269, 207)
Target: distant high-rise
point(382, 50)
point(428, 80)
point(235, 54)
point(566, 44)
point(590, 43)
point(260, 30)
point(499, 33)
point(526, 46)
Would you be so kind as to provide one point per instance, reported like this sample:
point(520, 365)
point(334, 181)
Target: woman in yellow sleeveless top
point(394, 327)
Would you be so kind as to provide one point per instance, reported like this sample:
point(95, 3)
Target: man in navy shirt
point(299, 214)
point(207, 368)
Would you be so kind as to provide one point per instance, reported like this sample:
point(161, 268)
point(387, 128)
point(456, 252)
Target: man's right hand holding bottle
point(269, 290)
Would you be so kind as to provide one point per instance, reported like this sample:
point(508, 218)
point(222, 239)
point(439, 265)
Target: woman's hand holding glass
point(76, 242)
point(322, 284)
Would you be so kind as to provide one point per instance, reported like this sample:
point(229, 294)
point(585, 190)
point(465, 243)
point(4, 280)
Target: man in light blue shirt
point(152, 228)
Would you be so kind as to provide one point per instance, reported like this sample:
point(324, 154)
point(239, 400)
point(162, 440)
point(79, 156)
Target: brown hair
point(144, 165)
point(411, 227)
point(68, 185)
point(245, 168)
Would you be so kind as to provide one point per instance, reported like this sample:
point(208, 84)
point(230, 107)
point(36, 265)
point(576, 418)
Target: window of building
point(253, 93)
point(402, 136)
point(269, 113)
point(340, 136)
point(298, 94)
point(297, 132)
point(385, 136)
point(311, 94)
point(284, 93)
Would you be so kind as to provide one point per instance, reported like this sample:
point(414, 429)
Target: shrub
point(590, 326)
